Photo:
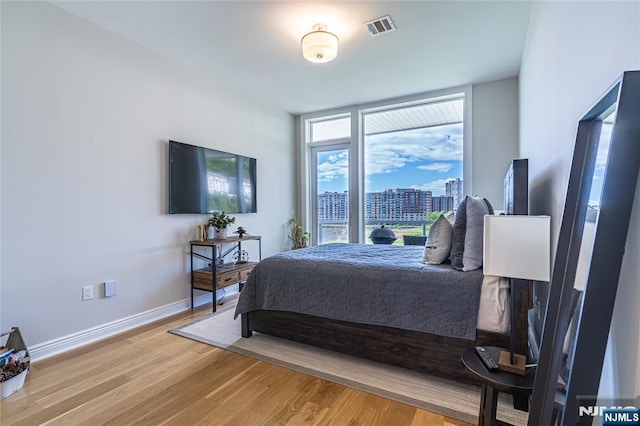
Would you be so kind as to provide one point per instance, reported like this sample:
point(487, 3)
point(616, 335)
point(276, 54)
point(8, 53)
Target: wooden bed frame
point(418, 351)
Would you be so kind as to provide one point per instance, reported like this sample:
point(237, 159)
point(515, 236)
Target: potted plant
point(220, 221)
point(298, 237)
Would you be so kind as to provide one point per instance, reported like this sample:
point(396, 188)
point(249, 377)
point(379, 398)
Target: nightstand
point(494, 382)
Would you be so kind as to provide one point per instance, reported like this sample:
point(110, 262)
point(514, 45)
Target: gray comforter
point(373, 284)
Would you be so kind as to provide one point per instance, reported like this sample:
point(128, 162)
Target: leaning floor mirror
point(591, 243)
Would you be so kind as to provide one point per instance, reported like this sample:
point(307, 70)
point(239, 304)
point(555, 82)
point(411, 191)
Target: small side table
point(494, 382)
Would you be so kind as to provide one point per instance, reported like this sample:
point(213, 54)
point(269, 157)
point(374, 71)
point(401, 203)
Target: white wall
point(574, 51)
point(495, 137)
point(86, 116)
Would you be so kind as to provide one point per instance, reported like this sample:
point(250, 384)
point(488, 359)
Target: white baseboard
point(91, 335)
point(66, 343)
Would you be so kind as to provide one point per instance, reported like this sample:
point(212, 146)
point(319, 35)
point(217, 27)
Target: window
point(329, 142)
point(412, 157)
point(330, 129)
point(397, 164)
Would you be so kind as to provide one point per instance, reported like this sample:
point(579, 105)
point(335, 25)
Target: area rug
point(441, 396)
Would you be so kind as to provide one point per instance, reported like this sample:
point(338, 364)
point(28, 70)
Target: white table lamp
point(517, 246)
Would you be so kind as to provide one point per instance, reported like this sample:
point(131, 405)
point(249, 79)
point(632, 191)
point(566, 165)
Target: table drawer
point(226, 275)
point(202, 279)
point(225, 279)
point(244, 274)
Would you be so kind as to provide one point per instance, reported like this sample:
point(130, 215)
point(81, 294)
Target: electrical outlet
point(109, 288)
point(87, 292)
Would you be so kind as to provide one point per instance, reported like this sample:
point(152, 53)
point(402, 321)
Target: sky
point(421, 159)
point(601, 162)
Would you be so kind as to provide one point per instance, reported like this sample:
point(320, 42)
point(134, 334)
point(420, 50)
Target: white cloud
point(437, 187)
point(437, 167)
point(335, 166)
point(389, 152)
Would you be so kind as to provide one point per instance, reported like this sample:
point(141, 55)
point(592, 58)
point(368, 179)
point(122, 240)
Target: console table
point(214, 277)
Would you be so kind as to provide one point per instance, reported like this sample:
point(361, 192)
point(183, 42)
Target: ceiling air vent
point(380, 26)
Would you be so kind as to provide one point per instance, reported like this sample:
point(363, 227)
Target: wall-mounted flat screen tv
point(203, 180)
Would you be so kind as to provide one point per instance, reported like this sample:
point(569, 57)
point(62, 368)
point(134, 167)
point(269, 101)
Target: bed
point(382, 303)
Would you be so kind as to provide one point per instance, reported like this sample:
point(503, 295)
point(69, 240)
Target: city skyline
point(423, 159)
point(394, 204)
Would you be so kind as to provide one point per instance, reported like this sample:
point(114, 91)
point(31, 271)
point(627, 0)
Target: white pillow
point(438, 245)
point(451, 217)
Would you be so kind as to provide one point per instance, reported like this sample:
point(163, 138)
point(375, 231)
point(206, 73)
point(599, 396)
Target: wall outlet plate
point(109, 288)
point(87, 292)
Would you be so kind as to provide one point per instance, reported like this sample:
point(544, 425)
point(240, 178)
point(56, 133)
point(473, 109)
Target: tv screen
point(203, 180)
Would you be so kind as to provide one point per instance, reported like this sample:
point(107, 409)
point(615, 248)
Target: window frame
point(314, 150)
point(355, 144)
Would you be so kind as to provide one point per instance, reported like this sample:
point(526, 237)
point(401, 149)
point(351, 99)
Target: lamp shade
point(319, 45)
point(517, 247)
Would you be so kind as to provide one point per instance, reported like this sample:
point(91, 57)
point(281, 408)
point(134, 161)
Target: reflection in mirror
point(593, 207)
point(588, 238)
point(589, 254)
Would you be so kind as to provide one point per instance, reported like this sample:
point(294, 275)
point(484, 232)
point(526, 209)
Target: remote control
point(486, 359)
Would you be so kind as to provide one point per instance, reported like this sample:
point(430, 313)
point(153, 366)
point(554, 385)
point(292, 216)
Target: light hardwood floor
point(148, 376)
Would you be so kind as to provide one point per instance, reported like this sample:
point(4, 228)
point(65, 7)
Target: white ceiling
point(255, 46)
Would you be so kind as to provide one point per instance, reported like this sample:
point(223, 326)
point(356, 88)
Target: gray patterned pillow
point(457, 240)
point(476, 209)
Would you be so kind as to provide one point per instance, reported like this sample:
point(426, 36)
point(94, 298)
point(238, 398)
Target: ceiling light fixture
point(319, 45)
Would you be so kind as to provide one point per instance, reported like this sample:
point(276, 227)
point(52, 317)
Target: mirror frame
point(594, 317)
